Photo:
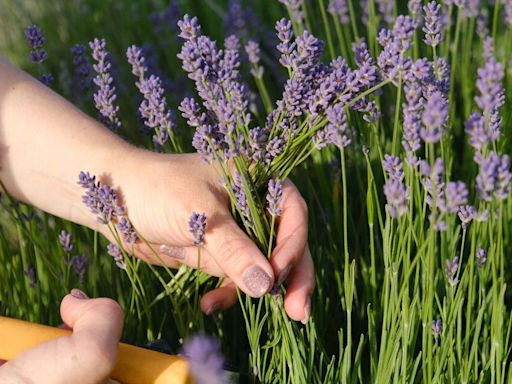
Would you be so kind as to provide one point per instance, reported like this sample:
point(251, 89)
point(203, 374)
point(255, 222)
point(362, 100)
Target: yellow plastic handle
point(134, 365)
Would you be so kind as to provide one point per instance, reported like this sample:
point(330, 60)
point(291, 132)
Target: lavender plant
point(395, 130)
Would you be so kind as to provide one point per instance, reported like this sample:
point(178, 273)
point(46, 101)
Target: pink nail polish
point(257, 281)
point(212, 310)
point(307, 311)
point(78, 294)
point(177, 253)
point(283, 275)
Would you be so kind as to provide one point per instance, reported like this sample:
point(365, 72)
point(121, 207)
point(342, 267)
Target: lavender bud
point(115, 251)
point(66, 241)
point(466, 215)
point(433, 24)
point(79, 263)
point(452, 267)
point(481, 257)
point(197, 227)
point(437, 328)
point(274, 197)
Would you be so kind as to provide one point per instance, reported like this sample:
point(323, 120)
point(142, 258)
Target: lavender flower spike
point(106, 94)
point(274, 197)
point(437, 328)
point(66, 241)
point(452, 267)
point(481, 257)
point(35, 39)
point(79, 263)
point(205, 359)
point(433, 24)
point(197, 226)
point(115, 251)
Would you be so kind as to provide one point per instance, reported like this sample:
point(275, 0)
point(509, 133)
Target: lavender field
point(392, 118)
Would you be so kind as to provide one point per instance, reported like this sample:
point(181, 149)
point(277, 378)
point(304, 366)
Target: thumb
point(97, 326)
point(239, 257)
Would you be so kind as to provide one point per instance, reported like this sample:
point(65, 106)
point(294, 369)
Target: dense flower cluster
point(104, 202)
point(397, 194)
point(83, 69)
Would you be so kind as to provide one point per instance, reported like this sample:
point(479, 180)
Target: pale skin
point(45, 142)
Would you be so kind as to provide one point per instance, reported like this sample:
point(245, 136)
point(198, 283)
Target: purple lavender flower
point(414, 7)
point(481, 257)
point(136, 60)
point(102, 200)
point(467, 214)
point(189, 27)
point(274, 197)
point(35, 39)
point(83, 68)
point(106, 93)
point(339, 9)
point(503, 179)
point(437, 328)
point(197, 227)
point(115, 251)
point(205, 360)
point(336, 131)
point(456, 195)
point(127, 231)
point(475, 128)
point(452, 267)
point(434, 117)
point(79, 263)
point(253, 53)
point(492, 94)
point(387, 10)
point(494, 177)
point(433, 24)
point(396, 196)
point(393, 166)
point(294, 7)
point(31, 274)
point(286, 46)
point(66, 241)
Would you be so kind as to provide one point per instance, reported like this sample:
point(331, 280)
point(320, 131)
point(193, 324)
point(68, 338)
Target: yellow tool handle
point(134, 365)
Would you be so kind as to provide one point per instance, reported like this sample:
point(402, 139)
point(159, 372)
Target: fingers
point(292, 233)
point(87, 356)
point(219, 299)
point(97, 326)
point(174, 257)
point(301, 284)
point(239, 257)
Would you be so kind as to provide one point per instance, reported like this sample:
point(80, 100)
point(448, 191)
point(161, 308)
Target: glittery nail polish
point(257, 281)
point(174, 252)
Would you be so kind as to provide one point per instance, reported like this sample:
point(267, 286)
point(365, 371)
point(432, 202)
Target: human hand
point(87, 356)
point(162, 191)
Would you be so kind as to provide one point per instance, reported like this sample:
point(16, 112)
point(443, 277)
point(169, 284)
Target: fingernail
point(214, 308)
point(174, 252)
point(257, 281)
point(307, 311)
point(78, 294)
point(283, 275)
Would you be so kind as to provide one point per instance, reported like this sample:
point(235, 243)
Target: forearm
point(45, 142)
